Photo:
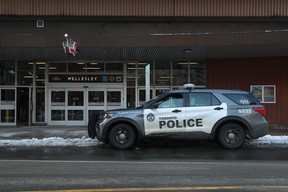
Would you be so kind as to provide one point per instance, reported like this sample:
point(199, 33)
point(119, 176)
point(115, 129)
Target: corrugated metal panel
point(145, 8)
point(242, 73)
point(232, 8)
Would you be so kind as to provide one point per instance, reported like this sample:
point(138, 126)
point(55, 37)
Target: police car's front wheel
point(231, 136)
point(122, 136)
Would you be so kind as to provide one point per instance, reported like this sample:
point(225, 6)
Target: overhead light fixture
point(93, 63)
point(40, 63)
point(166, 77)
point(137, 63)
point(186, 63)
point(37, 63)
point(91, 68)
point(81, 63)
point(187, 51)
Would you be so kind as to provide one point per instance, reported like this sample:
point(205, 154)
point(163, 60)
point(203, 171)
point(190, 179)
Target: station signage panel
point(86, 78)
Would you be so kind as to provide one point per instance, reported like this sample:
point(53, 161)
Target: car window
point(202, 99)
point(171, 101)
point(242, 99)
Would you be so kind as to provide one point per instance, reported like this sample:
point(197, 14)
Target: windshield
point(145, 104)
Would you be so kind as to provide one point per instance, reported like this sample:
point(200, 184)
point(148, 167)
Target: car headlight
point(106, 115)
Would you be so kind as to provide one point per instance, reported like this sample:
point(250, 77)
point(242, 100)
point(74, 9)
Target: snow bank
point(84, 141)
point(50, 141)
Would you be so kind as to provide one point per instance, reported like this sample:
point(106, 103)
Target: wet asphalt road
point(156, 166)
point(150, 151)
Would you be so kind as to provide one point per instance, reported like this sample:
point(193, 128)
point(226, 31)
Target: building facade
point(239, 44)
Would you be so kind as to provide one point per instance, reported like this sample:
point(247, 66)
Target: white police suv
point(227, 116)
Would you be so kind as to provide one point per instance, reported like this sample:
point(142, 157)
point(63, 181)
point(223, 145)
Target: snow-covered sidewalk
point(84, 141)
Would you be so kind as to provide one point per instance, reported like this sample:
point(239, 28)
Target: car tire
point(231, 136)
point(92, 126)
point(122, 136)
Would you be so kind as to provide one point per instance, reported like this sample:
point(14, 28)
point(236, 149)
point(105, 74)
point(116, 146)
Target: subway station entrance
point(74, 106)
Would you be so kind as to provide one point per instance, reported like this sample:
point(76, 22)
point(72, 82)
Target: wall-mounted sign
point(86, 78)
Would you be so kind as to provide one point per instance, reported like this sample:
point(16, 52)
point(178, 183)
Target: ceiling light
point(91, 68)
point(186, 63)
point(187, 51)
point(40, 63)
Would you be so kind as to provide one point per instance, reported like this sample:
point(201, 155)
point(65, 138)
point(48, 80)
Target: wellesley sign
point(85, 78)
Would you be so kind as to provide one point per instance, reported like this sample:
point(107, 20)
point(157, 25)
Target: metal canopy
point(146, 53)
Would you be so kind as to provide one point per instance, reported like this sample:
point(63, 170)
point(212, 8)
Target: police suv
point(226, 116)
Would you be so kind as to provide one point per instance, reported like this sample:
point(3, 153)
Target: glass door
point(96, 102)
point(114, 99)
point(75, 107)
point(8, 106)
point(57, 106)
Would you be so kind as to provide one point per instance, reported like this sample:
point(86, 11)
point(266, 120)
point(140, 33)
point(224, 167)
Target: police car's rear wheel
point(122, 136)
point(231, 136)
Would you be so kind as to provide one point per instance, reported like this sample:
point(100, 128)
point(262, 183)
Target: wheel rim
point(233, 136)
point(122, 136)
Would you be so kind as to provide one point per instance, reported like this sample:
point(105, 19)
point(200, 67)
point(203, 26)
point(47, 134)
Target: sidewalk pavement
point(40, 132)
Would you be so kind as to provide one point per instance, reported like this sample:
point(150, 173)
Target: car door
point(202, 112)
point(166, 116)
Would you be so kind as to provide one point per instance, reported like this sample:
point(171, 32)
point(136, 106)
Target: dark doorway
point(22, 106)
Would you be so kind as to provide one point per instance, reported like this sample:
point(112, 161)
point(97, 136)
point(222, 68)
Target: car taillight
point(261, 110)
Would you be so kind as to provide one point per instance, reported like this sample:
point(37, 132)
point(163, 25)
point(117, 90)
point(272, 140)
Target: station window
point(25, 73)
point(7, 73)
point(163, 73)
point(57, 67)
point(180, 73)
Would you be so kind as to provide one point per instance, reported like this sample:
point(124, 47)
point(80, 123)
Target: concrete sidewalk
point(29, 132)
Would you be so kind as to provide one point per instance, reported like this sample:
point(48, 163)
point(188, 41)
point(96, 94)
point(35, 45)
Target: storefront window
point(198, 74)
point(25, 73)
point(75, 115)
point(57, 98)
point(96, 98)
point(114, 98)
point(7, 116)
point(180, 73)
point(114, 67)
point(7, 73)
point(95, 67)
point(57, 67)
point(7, 96)
point(163, 75)
point(76, 67)
point(131, 74)
point(75, 98)
point(57, 115)
point(141, 73)
point(40, 105)
point(40, 74)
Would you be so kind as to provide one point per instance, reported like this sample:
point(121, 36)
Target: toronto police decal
point(150, 117)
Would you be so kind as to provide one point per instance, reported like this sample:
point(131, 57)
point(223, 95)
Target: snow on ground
point(84, 142)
